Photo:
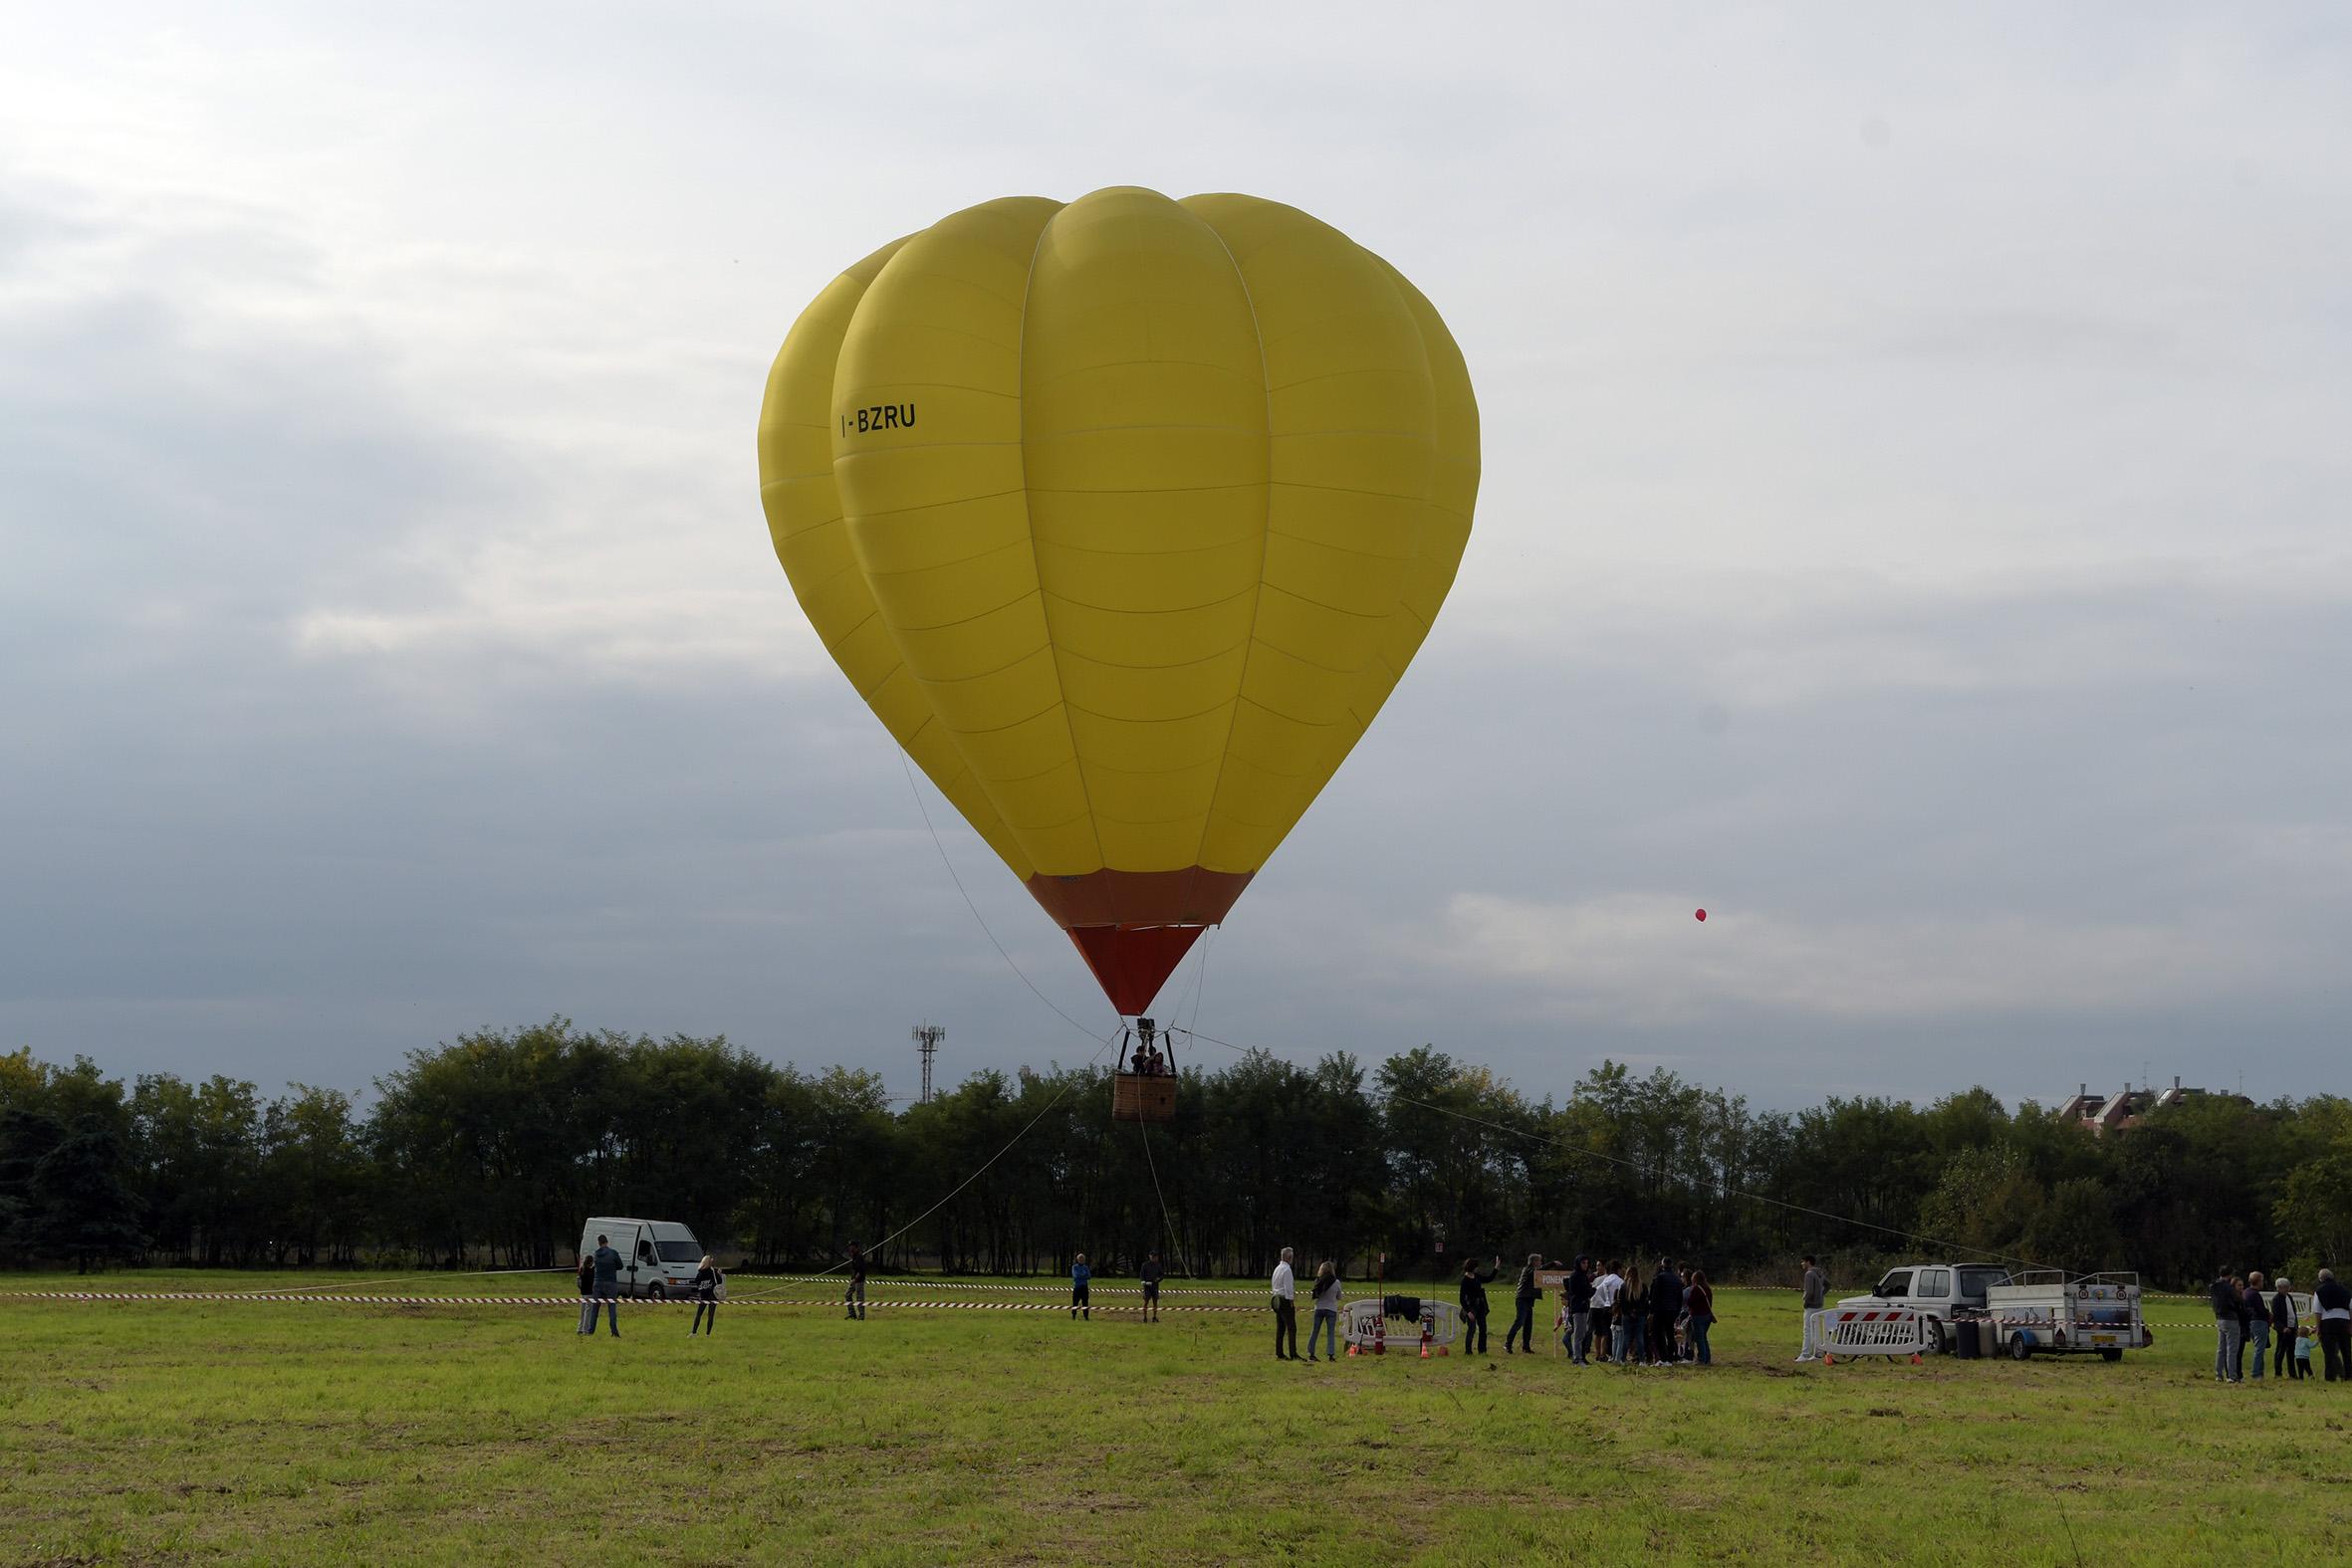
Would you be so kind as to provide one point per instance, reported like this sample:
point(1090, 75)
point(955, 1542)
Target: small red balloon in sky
point(1701, 914)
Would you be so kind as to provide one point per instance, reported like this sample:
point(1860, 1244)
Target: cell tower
point(927, 1038)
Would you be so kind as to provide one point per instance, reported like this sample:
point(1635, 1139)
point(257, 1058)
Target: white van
point(659, 1257)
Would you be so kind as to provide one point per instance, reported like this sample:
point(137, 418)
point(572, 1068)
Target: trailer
point(2046, 1312)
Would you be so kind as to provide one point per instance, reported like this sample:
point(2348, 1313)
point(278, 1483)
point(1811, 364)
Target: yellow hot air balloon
point(1124, 515)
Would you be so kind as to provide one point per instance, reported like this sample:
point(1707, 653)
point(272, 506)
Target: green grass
point(457, 1433)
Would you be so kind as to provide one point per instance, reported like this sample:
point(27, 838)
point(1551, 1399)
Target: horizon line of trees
point(493, 1150)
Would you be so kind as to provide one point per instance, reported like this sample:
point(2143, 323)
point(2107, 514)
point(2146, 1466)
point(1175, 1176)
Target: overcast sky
point(1914, 528)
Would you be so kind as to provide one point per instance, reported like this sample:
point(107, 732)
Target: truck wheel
point(2110, 1353)
point(655, 1292)
point(2021, 1348)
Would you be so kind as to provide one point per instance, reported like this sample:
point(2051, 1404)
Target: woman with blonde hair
point(707, 1283)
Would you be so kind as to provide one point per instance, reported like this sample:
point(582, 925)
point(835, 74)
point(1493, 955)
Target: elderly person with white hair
point(1285, 1310)
point(2283, 1329)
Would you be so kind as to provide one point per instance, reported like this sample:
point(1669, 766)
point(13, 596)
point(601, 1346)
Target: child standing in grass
point(1079, 1273)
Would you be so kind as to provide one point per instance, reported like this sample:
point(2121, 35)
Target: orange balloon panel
point(1124, 515)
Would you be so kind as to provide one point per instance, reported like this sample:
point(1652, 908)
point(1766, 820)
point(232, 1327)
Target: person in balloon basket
point(607, 1271)
point(1079, 1273)
point(1151, 1274)
point(855, 1297)
point(1474, 1305)
point(2334, 1304)
point(1285, 1310)
point(1326, 1312)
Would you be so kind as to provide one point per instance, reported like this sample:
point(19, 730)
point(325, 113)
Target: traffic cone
point(1425, 1339)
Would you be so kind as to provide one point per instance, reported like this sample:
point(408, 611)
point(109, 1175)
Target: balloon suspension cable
point(916, 790)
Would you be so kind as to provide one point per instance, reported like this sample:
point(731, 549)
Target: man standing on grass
point(1816, 1296)
point(2227, 1329)
point(2334, 1305)
point(1285, 1310)
point(607, 1287)
point(1150, 1274)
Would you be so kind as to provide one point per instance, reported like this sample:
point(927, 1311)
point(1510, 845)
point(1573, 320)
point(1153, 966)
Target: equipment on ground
point(1832, 1332)
point(2046, 1312)
point(1124, 515)
point(1363, 1326)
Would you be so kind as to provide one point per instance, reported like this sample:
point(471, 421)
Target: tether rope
point(1175, 1246)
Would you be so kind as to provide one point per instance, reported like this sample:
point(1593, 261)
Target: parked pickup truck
point(1938, 1293)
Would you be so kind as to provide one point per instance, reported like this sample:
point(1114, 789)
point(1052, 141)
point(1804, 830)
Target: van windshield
point(680, 1252)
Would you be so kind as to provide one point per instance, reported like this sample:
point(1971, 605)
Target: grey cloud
point(1925, 558)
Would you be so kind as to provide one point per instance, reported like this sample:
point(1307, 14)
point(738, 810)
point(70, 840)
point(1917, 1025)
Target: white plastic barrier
point(1364, 1329)
point(1832, 1332)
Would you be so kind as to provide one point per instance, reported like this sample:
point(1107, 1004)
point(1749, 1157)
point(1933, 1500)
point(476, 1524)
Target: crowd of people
point(1608, 1313)
point(2246, 1319)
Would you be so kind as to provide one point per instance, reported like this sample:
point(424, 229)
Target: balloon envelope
point(1124, 515)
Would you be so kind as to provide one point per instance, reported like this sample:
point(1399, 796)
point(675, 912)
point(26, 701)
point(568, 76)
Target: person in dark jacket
point(2282, 1334)
point(1524, 1299)
point(707, 1281)
point(1080, 1299)
point(2227, 1333)
point(1474, 1305)
point(1666, 1291)
point(607, 1264)
point(2256, 1322)
point(1151, 1274)
point(855, 1296)
point(2334, 1304)
point(1579, 1291)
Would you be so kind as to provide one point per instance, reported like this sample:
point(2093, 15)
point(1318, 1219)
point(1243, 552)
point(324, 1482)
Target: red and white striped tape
point(113, 1297)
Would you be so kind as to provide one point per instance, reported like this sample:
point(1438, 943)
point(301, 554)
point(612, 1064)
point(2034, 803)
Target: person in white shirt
point(1605, 1291)
point(1285, 1310)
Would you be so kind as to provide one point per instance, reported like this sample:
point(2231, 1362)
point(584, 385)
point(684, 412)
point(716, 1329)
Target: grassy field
point(445, 1434)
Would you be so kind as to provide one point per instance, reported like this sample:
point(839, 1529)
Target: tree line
point(490, 1151)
